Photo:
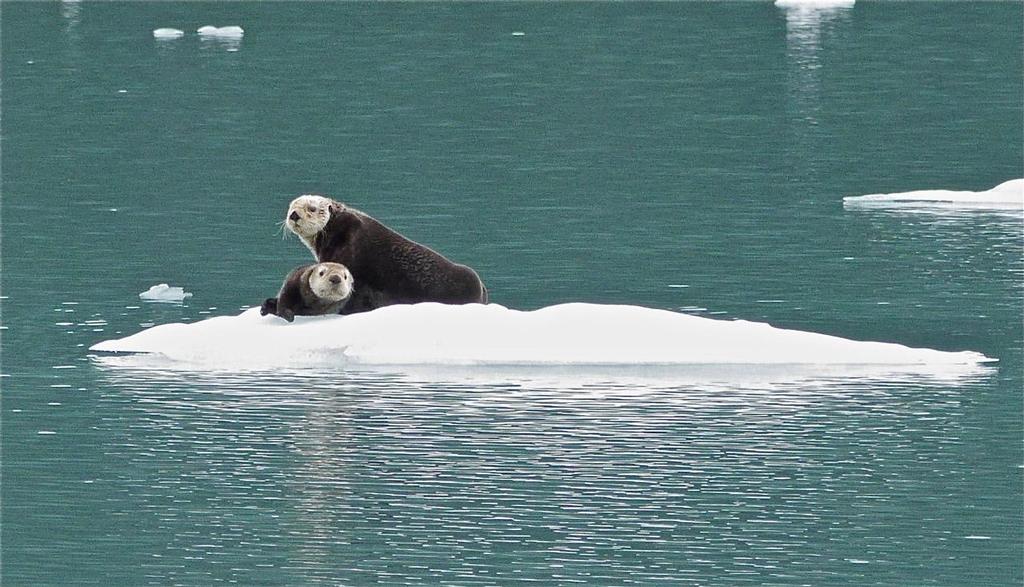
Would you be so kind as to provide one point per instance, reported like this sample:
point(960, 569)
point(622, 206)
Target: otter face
point(307, 215)
point(331, 281)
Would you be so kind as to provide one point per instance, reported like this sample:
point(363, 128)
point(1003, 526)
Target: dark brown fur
point(389, 268)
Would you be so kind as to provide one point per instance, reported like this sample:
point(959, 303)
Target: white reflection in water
point(965, 239)
point(385, 476)
point(804, 28)
point(71, 13)
point(219, 43)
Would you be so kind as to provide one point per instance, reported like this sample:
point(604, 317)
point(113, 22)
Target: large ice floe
point(1005, 196)
point(575, 334)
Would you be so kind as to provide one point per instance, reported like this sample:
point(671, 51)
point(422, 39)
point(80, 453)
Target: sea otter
point(311, 290)
point(387, 267)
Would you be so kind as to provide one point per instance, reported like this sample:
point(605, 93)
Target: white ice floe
point(164, 293)
point(814, 4)
point(165, 33)
point(562, 335)
point(1007, 195)
point(224, 32)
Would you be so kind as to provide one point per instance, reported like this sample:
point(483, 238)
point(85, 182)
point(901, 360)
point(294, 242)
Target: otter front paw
point(269, 307)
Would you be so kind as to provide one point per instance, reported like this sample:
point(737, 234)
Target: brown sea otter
point(388, 268)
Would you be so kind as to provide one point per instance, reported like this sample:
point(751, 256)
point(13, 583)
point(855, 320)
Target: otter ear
point(335, 208)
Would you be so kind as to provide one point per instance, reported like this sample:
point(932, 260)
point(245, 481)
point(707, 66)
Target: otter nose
point(294, 216)
point(335, 279)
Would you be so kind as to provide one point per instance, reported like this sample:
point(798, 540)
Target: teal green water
point(611, 153)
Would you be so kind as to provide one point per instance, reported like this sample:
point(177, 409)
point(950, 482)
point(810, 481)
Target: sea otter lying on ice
point(387, 268)
point(311, 290)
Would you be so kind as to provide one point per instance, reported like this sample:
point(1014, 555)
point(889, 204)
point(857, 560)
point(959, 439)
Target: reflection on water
point(393, 481)
point(804, 28)
point(220, 43)
point(71, 12)
point(492, 476)
point(971, 238)
point(71, 16)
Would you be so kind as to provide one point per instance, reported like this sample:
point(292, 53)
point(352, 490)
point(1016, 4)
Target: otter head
point(330, 281)
point(308, 215)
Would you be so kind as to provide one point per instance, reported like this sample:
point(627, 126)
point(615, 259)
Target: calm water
point(684, 156)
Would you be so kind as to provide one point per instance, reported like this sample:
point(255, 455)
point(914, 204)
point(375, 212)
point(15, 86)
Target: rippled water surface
point(689, 156)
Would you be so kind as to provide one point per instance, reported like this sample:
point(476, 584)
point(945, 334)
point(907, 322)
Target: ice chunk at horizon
point(165, 293)
point(224, 32)
point(814, 4)
point(230, 31)
point(563, 335)
point(166, 33)
point(1009, 194)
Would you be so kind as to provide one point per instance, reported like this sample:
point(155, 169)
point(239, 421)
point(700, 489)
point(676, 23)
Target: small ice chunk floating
point(165, 293)
point(167, 33)
point(224, 32)
point(814, 4)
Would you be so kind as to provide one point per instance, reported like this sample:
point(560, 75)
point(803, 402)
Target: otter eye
point(311, 208)
point(321, 273)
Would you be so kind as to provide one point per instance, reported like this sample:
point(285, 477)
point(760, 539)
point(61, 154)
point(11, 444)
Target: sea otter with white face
point(388, 268)
point(311, 290)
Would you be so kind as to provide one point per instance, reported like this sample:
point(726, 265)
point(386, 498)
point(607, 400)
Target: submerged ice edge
point(567, 335)
point(816, 380)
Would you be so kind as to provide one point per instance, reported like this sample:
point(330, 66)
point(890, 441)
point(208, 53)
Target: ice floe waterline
point(814, 4)
point(1008, 195)
point(230, 32)
point(575, 334)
